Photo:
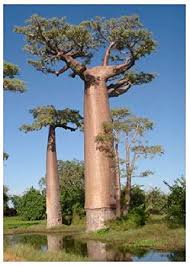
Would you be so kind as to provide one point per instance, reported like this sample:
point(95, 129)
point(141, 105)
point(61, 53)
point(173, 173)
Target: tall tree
point(54, 41)
point(10, 82)
point(131, 130)
point(48, 116)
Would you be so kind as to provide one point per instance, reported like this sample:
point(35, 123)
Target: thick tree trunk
point(127, 194)
point(99, 169)
point(118, 185)
point(53, 205)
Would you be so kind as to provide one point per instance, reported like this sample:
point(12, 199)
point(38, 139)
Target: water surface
point(94, 250)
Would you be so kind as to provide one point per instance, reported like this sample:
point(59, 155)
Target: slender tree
point(48, 116)
point(131, 130)
point(53, 42)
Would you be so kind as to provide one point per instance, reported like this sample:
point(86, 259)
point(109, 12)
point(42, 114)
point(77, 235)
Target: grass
point(28, 253)
point(17, 222)
point(154, 235)
point(14, 225)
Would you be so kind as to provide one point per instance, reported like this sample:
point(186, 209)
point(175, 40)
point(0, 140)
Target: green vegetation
point(128, 132)
point(10, 82)
point(156, 201)
point(176, 213)
point(29, 253)
point(31, 205)
point(45, 116)
point(16, 222)
point(154, 235)
point(15, 225)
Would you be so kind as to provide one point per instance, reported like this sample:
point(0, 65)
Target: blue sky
point(162, 100)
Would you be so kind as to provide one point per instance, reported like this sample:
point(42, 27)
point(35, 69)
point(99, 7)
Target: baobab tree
point(130, 131)
point(54, 42)
point(48, 116)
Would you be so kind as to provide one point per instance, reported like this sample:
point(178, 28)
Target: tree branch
point(75, 65)
point(58, 72)
point(66, 127)
point(47, 42)
point(133, 161)
point(107, 54)
point(119, 88)
point(119, 69)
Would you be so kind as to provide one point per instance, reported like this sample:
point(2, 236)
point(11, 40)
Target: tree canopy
point(49, 116)
point(129, 130)
point(10, 82)
point(125, 40)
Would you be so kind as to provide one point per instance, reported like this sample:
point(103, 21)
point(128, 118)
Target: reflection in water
point(94, 250)
point(98, 251)
point(54, 242)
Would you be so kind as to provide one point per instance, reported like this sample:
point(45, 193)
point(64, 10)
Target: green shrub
point(137, 197)
point(176, 213)
point(31, 206)
point(78, 214)
point(156, 201)
point(71, 175)
point(136, 217)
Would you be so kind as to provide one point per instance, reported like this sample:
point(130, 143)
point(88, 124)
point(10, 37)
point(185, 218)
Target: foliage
point(137, 197)
point(15, 199)
point(53, 41)
point(31, 205)
point(131, 130)
point(136, 217)
point(176, 212)
point(47, 115)
point(5, 199)
point(71, 175)
point(156, 201)
point(11, 83)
